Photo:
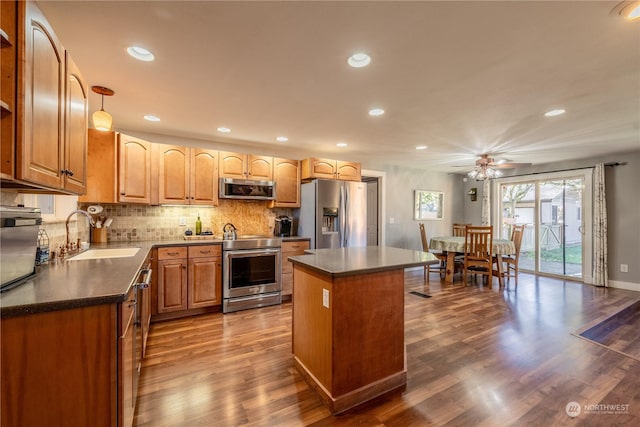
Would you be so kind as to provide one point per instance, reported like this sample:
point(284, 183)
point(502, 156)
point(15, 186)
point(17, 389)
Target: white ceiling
point(463, 78)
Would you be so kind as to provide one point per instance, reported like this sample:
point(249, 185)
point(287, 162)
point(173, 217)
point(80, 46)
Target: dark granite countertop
point(63, 284)
point(371, 259)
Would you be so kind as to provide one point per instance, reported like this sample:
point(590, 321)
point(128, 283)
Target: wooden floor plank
point(475, 356)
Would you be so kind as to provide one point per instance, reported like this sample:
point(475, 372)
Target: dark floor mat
point(420, 294)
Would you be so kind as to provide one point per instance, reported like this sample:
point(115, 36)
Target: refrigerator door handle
point(342, 216)
point(347, 213)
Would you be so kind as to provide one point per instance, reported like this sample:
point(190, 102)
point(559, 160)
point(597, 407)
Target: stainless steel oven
point(252, 270)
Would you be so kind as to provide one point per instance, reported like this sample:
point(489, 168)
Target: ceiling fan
point(487, 167)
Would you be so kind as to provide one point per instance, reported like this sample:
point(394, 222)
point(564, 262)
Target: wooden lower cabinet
point(204, 281)
point(189, 277)
point(127, 361)
point(70, 367)
point(290, 249)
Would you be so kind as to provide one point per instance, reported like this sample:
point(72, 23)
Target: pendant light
point(101, 119)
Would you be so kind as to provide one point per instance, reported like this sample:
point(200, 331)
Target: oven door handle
point(253, 252)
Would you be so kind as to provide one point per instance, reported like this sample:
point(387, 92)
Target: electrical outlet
point(624, 268)
point(183, 221)
point(392, 220)
point(325, 298)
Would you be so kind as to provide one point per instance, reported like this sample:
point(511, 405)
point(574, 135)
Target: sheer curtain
point(600, 277)
point(486, 203)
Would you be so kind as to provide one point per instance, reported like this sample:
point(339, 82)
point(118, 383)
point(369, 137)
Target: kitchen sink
point(105, 253)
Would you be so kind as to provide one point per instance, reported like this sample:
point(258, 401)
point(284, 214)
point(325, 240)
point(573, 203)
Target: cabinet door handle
point(173, 253)
point(69, 172)
point(205, 252)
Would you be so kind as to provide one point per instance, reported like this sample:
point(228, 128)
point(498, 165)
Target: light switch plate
point(325, 298)
point(624, 268)
point(183, 221)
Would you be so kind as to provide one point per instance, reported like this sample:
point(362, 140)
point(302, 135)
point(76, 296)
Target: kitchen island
point(348, 321)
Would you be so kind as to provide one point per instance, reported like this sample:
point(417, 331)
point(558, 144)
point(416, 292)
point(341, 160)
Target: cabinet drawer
point(175, 252)
point(201, 251)
point(298, 246)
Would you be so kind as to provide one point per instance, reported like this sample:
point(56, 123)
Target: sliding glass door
point(553, 207)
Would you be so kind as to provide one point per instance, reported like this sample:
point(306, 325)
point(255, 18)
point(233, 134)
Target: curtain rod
point(612, 164)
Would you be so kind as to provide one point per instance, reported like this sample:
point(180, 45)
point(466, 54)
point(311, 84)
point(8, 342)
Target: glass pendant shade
point(102, 120)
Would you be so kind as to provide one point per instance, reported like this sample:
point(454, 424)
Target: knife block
point(99, 235)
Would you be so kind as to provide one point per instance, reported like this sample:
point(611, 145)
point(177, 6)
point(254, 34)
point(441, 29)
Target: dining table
point(454, 245)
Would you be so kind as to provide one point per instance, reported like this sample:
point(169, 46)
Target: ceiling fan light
point(473, 174)
point(631, 11)
point(102, 120)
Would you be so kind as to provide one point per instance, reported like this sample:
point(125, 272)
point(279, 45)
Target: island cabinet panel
point(60, 367)
point(349, 347)
point(286, 174)
point(134, 170)
point(312, 345)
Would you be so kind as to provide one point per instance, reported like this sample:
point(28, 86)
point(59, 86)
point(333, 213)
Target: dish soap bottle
point(198, 225)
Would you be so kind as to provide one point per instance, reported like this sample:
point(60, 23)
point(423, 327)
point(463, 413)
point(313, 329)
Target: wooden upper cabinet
point(134, 170)
point(52, 109)
point(40, 137)
point(348, 171)
point(102, 168)
point(203, 183)
point(318, 168)
point(173, 168)
point(76, 119)
point(245, 166)
point(330, 169)
point(8, 86)
point(187, 175)
point(259, 167)
point(286, 174)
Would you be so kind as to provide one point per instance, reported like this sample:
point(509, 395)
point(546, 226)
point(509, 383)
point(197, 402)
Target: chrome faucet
point(79, 211)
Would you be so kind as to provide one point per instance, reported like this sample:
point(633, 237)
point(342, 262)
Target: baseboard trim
point(624, 285)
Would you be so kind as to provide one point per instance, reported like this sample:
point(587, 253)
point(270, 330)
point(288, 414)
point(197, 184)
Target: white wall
point(401, 230)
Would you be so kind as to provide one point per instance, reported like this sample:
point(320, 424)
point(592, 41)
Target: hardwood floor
point(475, 357)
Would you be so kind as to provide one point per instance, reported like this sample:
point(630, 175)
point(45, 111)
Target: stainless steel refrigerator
point(333, 214)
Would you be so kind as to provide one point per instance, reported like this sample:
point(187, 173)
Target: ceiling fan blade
point(509, 165)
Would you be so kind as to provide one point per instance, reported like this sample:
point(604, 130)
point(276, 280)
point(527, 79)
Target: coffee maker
point(283, 226)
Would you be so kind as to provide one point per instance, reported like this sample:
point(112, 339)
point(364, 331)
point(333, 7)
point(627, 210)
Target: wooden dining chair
point(458, 229)
point(478, 257)
point(511, 261)
point(441, 266)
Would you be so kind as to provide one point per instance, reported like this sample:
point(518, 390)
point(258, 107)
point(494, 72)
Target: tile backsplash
point(139, 222)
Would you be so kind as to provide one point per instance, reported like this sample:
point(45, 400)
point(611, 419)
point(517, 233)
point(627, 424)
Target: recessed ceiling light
point(555, 112)
point(359, 60)
point(376, 112)
point(631, 11)
point(224, 129)
point(140, 53)
point(151, 118)
point(421, 147)
point(341, 144)
point(282, 139)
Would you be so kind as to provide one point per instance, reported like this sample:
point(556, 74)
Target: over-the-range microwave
point(231, 188)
